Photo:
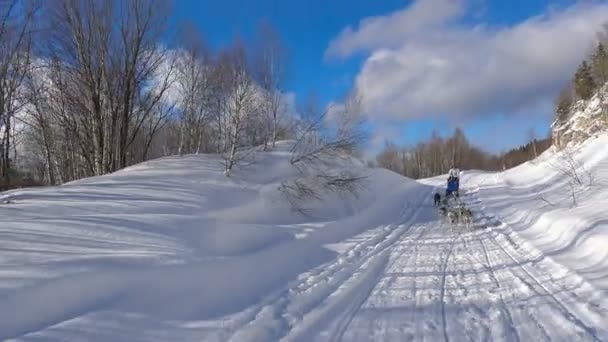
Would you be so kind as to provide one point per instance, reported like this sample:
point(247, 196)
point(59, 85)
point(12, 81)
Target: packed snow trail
point(435, 282)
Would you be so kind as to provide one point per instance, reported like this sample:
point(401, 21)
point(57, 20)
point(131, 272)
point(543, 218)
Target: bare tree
point(325, 143)
point(40, 119)
point(80, 45)
point(16, 31)
point(141, 62)
point(110, 75)
point(270, 71)
point(389, 158)
point(578, 176)
point(336, 133)
point(238, 104)
point(194, 83)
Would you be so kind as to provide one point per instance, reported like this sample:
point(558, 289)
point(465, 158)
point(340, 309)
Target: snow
point(171, 249)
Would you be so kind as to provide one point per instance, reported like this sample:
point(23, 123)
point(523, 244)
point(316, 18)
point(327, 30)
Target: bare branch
point(326, 143)
point(578, 176)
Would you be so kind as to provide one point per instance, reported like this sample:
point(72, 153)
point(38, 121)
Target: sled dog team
point(464, 215)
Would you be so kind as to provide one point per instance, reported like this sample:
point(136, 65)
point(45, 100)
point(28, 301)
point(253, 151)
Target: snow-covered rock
point(587, 119)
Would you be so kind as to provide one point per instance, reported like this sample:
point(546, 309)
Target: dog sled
point(451, 206)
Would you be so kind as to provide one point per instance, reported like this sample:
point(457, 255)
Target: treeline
point(524, 153)
point(437, 155)
point(89, 87)
point(590, 76)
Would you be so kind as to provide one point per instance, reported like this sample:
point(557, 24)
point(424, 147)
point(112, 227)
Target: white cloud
point(388, 31)
point(423, 63)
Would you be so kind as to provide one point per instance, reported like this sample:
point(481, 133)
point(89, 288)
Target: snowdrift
point(169, 239)
point(552, 214)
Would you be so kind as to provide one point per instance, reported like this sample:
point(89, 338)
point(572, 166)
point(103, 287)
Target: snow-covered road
point(434, 282)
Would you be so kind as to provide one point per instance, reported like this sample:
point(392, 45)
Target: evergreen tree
point(583, 81)
point(564, 104)
point(599, 65)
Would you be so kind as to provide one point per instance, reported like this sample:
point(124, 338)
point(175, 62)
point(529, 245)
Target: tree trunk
point(124, 134)
point(180, 149)
point(49, 157)
point(274, 130)
point(6, 152)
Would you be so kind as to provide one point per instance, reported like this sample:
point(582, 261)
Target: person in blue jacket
point(453, 182)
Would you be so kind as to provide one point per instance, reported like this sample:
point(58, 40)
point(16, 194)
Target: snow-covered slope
point(168, 239)
point(552, 215)
point(173, 250)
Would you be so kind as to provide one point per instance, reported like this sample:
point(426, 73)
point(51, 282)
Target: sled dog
point(437, 198)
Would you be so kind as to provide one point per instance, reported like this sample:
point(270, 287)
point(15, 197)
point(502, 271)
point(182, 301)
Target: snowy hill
point(172, 238)
point(173, 250)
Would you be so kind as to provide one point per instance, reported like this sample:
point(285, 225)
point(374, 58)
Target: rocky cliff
point(584, 120)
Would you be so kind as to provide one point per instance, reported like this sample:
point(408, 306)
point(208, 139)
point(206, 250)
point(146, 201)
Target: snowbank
point(536, 204)
point(171, 239)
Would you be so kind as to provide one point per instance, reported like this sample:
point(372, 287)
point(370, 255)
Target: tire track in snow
point(392, 310)
point(542, 333)
point(593, 308)
point(297, 309)
point(488, 264)
point(566, 312)
point(339, 333)
point(504, 308)
point(313, 278)
point(414, 258)
point(414, 286)
point(421, 278)
point(468, 277)
point(508, 275)
point(345, 318)
point(401, 255)
point(442, 293)
point(322, 317)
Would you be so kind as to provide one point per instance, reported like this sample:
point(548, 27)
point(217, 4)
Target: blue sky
point(309, 28)
point(305, 26)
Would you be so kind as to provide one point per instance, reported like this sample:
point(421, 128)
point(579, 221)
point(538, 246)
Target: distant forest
point(437, 155)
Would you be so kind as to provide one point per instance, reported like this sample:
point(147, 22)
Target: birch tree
point(271, 67)
point(112, 71)
point(238, 105)
point(196, 87)
point(16, 32)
